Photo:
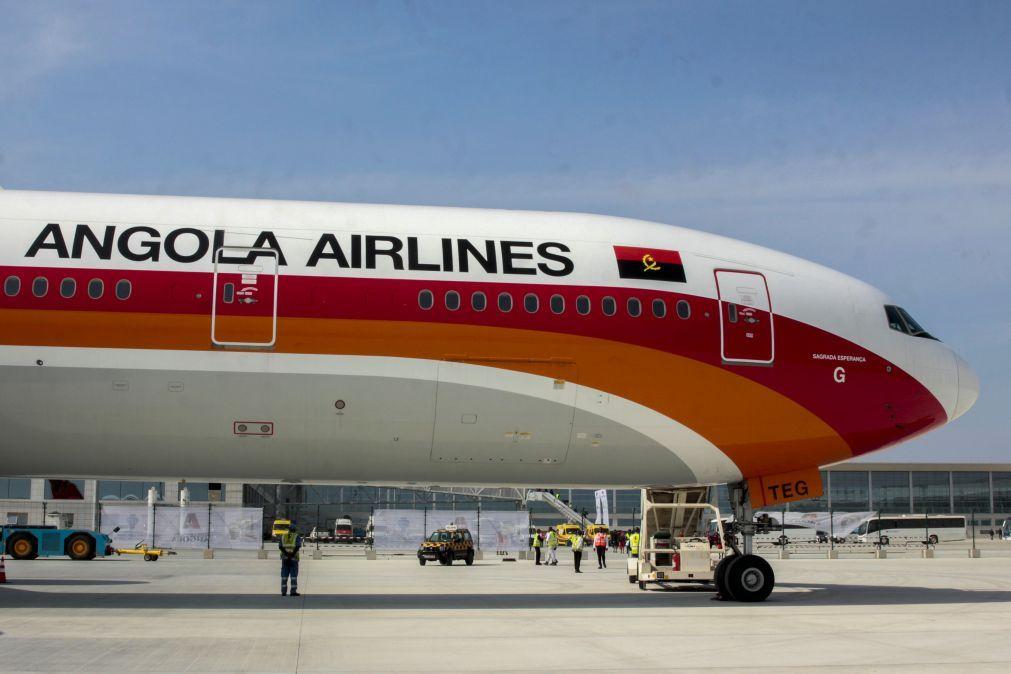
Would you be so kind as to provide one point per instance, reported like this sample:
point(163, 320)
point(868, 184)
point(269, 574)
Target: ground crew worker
point(633, 543)
point(577, 548)
point(537, 547)
point(600, 544)
point(552, 559)
point(290, 543)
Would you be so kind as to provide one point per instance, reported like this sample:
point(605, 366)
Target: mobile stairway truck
point(675, 547)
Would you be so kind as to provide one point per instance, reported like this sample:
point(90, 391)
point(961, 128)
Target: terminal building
point(980, 491)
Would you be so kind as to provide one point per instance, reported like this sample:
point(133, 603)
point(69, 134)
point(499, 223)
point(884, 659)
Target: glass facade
point(931, 491)
point(77, 483)
point(15, 487)
point(1001, 492)
point(971, 491)
point(849, 490)
point(126, 490)
point(890, 491)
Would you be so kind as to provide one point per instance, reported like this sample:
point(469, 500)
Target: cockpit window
point(899, 319)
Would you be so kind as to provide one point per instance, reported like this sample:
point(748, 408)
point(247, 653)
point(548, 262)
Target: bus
point(905, 528)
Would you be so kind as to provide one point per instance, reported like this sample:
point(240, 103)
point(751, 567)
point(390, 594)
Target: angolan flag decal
point(652, 264)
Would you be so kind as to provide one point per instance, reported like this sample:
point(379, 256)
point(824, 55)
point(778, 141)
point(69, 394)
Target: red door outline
point(747, 323)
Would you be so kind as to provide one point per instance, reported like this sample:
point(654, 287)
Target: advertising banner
point(603, 516)
point(237, 528)
point(398, 530)
point(505, 531)
point(181, 528)
point(132, 523)
point(461, 519)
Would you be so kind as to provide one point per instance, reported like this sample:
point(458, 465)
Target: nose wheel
point(745, 578)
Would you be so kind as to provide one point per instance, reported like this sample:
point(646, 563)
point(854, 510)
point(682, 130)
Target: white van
point(905, 528)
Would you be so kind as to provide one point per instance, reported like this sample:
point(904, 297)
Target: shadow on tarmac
point(74, 581)
point(806, 595)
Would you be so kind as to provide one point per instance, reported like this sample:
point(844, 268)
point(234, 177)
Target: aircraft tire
point(750, 579)
point(720, 576)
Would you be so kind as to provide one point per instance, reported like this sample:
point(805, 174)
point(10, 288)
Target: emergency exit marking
point(261, 428)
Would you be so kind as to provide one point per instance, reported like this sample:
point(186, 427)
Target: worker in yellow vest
point(552, 542)
point(537, 543)
point(290, 543)
point(633, 543)
point(577, 548)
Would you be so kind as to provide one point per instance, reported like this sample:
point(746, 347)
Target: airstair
point(554, 502)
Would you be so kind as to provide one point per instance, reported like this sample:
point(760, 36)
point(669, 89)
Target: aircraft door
point(747, 333)
point(244, 304)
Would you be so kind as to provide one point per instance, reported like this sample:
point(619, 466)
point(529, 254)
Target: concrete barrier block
point(974, 553)
point(833, 554)
point(784, 553)
point(317, 554)
point(478, 555)
point(370, 554)
point(927, 553)
point(881, 553)
point(522, 555)
point(208, 554)
point(262, 554)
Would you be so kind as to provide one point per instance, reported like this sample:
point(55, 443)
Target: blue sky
point(871, 137)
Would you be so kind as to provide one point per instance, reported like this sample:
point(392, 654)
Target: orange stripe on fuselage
point(761, 430)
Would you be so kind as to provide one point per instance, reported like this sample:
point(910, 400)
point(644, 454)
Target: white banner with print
point(461, 519)
point(237, 528)
point(839, 524)
point(603, 516)
point(181, 528)
point(398, 530)
point(504, 530)
point(131, 521)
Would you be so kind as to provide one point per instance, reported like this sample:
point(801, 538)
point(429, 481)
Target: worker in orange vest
point(600, 545)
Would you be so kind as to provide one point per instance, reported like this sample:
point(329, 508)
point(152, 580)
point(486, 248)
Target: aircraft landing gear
point(743, 576)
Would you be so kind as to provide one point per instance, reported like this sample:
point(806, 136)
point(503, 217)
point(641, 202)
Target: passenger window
point(68, 287)
point(732, 312)
point(684, 310)
point(634, 306)
point(478, 302)
point(96, 288)
point(659, 308)
point(123, 289)
point(583, 305)
point(557, 304)
point(505, 302)
point(426, 300)
point(608, 306)
point(12, 286)
point(40, 286)
point(531, 303)
point(228, 293)
point(452, 300)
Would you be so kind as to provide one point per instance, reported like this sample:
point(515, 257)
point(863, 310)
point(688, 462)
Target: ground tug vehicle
point(31, 542)
point(676, 548)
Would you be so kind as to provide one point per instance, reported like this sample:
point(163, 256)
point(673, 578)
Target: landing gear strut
point(743, 576)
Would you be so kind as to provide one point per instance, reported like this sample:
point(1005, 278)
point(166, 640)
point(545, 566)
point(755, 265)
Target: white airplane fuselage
point(267, 340)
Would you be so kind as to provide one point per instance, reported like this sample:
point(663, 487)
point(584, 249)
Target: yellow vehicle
point(564, 531)
point(446, 546)
point(279, 529)
point(592, 529)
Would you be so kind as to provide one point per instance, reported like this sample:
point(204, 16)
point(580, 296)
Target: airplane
point(261, 340)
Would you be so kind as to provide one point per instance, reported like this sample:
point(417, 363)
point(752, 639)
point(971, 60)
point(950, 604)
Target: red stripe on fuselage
point(873, 409)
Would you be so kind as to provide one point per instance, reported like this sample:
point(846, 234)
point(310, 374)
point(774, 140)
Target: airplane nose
point(968, 388)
